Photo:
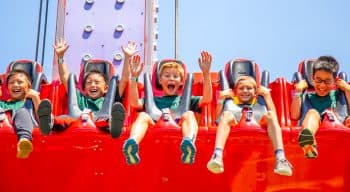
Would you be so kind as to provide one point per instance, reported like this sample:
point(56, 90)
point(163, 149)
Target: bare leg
point(274, 130)
point(223, 129)
point(189, 125)
point(215, 164)
point(138, 131)
point(312, 121)
point(140, 126)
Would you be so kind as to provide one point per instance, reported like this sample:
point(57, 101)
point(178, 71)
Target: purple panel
point(103, 42)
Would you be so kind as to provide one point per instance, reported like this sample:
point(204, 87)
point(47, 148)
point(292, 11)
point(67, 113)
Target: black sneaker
point(118, 117)
point(307, 142)
point(45, 119)
point(188, 151)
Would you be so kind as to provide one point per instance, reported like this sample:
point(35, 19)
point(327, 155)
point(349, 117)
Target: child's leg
point(215, 164)
point(306, 137)
point(138, 131)
point(24, 127)
point(189, 126)
point(282, 166)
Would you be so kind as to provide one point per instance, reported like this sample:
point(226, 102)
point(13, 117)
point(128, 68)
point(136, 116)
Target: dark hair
point(326, 63)
point(95, 72)
point(17, 71)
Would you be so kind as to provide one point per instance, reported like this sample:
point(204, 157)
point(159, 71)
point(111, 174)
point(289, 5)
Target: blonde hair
point(175, 65)
point(245, 78)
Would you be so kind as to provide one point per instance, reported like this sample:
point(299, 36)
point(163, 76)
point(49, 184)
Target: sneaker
point(45, 118)
point(24, 148)
point(117, 122)
point(307, 142)
point(215, 165)
point(130, 150)
point(188, 151)
point(283, 167)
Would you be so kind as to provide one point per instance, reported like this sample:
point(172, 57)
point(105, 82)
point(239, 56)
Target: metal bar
point(38, 32)
point(176, 28)
point(44, 37)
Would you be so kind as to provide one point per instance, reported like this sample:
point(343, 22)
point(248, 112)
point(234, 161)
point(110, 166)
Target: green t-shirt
point(172, 102)
point(322, 103)
point(14, 105)
point(88, 103)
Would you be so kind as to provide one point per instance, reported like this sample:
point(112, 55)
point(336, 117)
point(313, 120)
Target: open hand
point(135, 66)
point(130, 49)
point(60, 47)
point(205, 61)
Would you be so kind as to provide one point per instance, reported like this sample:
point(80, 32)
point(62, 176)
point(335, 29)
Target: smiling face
point(171, 76)
point(323, 82)
point(245, 89)
point(18, 85)
point(95, 85)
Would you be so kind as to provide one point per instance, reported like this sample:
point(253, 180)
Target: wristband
point(297, 94)
point(60, 60)
point(136, 79)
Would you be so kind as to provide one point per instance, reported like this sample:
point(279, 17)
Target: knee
point(226, 117)
point(188, 115)
point(313, 113)
point(144, 117)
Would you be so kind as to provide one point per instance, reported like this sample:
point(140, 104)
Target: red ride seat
point(166, 118)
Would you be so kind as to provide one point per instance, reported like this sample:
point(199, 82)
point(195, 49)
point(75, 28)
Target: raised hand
point(301, 86)
point(342, 85)
point(130, 49)
point(205, 61)
point(226, 94)
point(135, 66)
point(263, 91)
point(60, 47)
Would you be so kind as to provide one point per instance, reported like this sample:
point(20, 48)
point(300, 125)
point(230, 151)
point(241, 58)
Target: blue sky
point(276, 34)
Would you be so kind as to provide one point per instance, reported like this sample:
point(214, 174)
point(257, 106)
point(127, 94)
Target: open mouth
point(171, 87)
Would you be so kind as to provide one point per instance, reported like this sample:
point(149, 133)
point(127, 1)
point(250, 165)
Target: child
point(171, 76)
point(325, 70)
point(19, 88)
point(245, 91)
point(95, 86)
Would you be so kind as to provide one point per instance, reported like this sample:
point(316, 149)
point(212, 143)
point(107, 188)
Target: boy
point(245, 91)
point(324, 73)
point(95, 86)
point(171, 76)
point(19, 88)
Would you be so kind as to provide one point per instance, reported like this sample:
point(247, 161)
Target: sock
point(217, 152)
point(279, 153)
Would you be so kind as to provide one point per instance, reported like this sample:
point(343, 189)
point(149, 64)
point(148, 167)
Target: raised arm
point(60, 48)
point(344, 86)
point(295, 108)
point(129, 51)
point(205, 63)
point(135, 69)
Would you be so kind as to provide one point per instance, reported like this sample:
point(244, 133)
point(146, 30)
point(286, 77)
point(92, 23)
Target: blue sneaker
point(130, 150)
point(188, 151)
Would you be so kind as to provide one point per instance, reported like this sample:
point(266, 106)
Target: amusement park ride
point(84, 158)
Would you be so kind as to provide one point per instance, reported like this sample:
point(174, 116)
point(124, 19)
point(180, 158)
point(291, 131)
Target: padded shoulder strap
point(109, 98)
point(185, 101)
point(341, 107)
point(150, 105)
point(73, 107)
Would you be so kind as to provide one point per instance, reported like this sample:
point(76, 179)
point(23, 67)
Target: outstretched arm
point(204, 64)
point(61, 47)
point(135, 69)
point(295, 108)
point(129, 51)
